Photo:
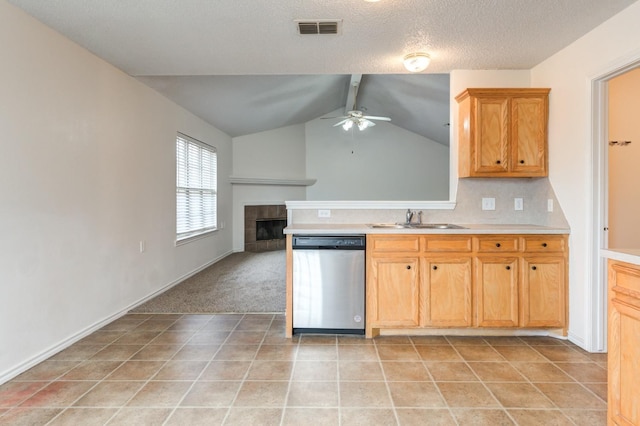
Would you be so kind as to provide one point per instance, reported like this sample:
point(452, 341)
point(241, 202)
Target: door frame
point(597, 294)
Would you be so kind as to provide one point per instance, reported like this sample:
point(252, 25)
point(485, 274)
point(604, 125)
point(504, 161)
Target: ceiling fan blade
point(373, 117)
point(340, 123)
point(325, 118)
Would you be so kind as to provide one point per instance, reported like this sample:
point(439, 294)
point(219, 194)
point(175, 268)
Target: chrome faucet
point(420, 217)
point(409, 216)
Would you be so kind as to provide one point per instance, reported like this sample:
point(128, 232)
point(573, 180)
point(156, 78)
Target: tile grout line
point(527, 380)
point(124, 405)
point(70, 405)
point(573, 378)
point(435, 385)
point(293, 369)
point(202, 372)
point(386, 383)
point(478, 377)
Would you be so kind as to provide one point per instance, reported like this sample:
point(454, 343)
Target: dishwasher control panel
point(342, 242)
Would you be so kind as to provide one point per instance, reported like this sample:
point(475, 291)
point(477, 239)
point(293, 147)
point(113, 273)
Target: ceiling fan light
point(363, 124)
point(416, 62)
point(347, 125)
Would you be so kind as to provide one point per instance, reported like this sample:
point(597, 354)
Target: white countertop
point(622, 255)
point(340, 229)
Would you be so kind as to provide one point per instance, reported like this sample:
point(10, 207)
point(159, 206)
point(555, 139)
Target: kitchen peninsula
point(481, 279)
point(623, 297)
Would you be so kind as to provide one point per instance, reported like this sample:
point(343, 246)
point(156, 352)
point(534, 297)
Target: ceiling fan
point(355, 117)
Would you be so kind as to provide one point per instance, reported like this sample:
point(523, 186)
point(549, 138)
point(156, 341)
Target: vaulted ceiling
point(243, 67)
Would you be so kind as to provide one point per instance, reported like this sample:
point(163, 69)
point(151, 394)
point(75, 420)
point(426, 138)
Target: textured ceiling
point(190, 38)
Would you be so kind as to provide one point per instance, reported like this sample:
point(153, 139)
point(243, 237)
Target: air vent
point(312, 27)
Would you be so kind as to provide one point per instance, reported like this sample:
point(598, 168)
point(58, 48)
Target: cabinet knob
point(498, 161)
point(408, 266)
point(521, 161)
point(508, 268)
point(534, 268)
point(544, 244)
point(435, 267)
point(498, 245)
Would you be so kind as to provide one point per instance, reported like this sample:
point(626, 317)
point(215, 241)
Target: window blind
point(196, 187)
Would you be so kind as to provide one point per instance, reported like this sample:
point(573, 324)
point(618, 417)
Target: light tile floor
point(175, 369)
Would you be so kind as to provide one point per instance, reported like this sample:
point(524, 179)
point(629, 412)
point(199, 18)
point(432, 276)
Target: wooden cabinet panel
point(491, 130)
point(543, 294)
point(496, 291)
point(394, 291)
point(623, 347)
point(447, 244)
point(529, 135)
point(446, 292)
point(393, 243)
point(497, 244)
point(544, 244)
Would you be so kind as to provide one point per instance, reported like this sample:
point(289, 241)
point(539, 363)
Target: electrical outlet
point(550, 205)
point(488, 204)
point(324, 213)
point(518, 204)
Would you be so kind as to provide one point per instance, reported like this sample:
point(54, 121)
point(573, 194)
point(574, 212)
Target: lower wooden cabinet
point(393, 292)
point(623, 344)
point(462, 281)
point(496, 291)
point(543, 292)
point(446, 292)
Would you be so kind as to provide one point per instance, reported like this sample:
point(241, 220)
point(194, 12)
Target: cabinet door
point(490, 146)
point(496, 291)
point(446, 291)
point(624, 350)
point(393, 296)
point(529, 135)
point(543, 292)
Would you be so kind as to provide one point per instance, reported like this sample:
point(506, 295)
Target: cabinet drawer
point(497, 244)
point(393, 243)
point(544, 243)
point(625, 276)
point(444, 244)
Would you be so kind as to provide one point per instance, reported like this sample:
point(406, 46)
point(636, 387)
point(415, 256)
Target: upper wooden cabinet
point(503, 132)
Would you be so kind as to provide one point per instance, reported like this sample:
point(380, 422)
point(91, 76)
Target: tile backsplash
point(535, 193)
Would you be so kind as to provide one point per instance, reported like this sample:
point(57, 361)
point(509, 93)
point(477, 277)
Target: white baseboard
point(577, 340)
point(52, 350)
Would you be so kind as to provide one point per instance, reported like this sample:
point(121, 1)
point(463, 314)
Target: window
point(196, 187)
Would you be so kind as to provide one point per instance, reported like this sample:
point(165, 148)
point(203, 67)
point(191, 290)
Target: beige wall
point(572, 168)
point(87, 171)
point(624, 161)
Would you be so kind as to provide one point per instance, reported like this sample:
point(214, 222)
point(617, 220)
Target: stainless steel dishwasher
point(328, 284)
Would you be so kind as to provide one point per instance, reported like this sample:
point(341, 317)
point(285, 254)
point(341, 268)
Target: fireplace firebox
point(263, 227)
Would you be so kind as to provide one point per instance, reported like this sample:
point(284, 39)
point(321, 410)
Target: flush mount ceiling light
point(416, 62)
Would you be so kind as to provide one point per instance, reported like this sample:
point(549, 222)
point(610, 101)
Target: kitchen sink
point(415, 226)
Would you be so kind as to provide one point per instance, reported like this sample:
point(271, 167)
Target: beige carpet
point(241, 282)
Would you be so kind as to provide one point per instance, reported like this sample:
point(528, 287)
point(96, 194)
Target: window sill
point(194, 237)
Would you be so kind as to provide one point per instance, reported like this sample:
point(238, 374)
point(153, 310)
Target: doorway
point(597, 341)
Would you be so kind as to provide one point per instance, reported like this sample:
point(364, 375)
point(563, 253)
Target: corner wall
point(570, 73)
point(87, 171)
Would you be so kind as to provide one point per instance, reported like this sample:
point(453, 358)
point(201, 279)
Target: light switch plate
point(550, 205)
point(324, 213)
point(488, 204)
